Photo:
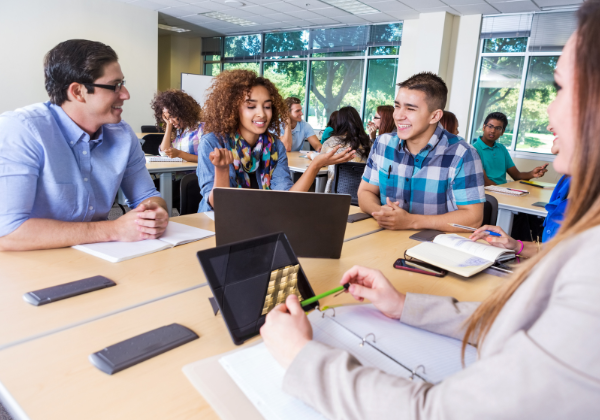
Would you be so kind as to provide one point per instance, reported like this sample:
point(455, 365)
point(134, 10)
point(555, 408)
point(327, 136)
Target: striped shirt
point(447, 173)
point(188, 140)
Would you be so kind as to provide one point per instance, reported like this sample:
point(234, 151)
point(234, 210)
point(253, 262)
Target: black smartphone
point(67, 290)
point(419, 267)
point(356, 217)
point(539, 204)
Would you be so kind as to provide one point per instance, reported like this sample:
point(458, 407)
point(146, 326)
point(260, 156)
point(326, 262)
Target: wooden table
point(509, 205)
point(298, 162)
point(139, 281)
point(51, 377)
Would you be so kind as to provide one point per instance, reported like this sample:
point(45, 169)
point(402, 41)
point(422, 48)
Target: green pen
point(322, 295)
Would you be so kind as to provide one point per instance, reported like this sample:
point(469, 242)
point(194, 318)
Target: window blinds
point(211, 46)
point(506, 26)
point(550, 31)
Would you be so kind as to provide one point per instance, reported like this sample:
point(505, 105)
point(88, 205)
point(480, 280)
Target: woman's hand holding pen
point(286, 331)
point(366, 283)
point(504, 241)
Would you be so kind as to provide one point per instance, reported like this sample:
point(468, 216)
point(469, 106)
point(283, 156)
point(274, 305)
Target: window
point(504, 45)
point(288, 76)
point(324, 68)
point(381, 85)
point(539, 92)
point(333, 85)
point(499, 89)
point(245, 66)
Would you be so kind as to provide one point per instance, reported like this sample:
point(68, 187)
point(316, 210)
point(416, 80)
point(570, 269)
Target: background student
point(495, 158)
point(330, 127)
point(556, 210)
point(295, 130)
point(535, 336)
point(179, 115)
point(350, 134)
point(450, 123)
point(240, 150)
point(63, 161)
point(383, 122)
point(423, 177)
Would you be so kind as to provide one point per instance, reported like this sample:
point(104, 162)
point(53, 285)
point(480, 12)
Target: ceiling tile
point(407, 14)
point(184, 11)
point(377, 17)
point(463, 2)
point(352, 19)
point(390, 6)
point(171, 3)
point(307, 14)
point(556, 3)
point(149, 5)
point(420, 4)
point(282, 7)
point(261, 19)
point(213, 6)
point(476, 9)
point(241, 13)
point(323, 21)
point(310, 4)
point(515, 6)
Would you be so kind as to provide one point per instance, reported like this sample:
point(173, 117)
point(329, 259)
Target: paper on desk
point(210, 215)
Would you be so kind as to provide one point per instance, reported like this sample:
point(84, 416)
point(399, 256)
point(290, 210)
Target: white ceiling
point(288, 14)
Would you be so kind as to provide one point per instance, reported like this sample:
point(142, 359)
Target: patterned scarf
point(247, 160)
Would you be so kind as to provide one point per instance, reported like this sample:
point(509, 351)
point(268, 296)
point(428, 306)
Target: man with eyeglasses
point(495, 157)
point(63, 161)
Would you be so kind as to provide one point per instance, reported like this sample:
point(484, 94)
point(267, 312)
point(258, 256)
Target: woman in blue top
point(240, 151)
point(556, 210)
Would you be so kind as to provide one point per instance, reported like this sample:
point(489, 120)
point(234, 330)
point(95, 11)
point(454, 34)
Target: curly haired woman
point(177, 110)
point(242, 112)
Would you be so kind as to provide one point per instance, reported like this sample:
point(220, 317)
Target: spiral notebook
point(162, 159)
point(507, 191)
point(251, 377)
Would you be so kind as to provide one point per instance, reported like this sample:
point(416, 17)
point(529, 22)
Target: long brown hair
point(386, 125)
point(583, 211)
point(449, 122)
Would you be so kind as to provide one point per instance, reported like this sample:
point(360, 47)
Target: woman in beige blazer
point(538, 336)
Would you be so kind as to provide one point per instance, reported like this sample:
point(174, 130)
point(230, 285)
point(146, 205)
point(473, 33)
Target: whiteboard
point(196, 86)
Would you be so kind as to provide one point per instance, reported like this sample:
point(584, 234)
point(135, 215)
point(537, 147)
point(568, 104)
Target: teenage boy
point(422, 177)
point(297, 130)
point(495, 158)
point(63, 161)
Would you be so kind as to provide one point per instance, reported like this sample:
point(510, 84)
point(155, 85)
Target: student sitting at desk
point(495, 158)
point(63, 161)
point(294, 130)
point(240, 151)
point(536, 335)
point(330, 127)
point(349, 133)
point(556, 210)
point(422, 177)
point(382, 123)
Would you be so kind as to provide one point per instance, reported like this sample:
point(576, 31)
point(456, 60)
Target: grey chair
point(347, 179)
point(490, 210)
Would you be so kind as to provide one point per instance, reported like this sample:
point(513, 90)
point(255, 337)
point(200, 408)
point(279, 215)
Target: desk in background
point(298, 162)
point(165, 171)
point(509, 205)
point(51, 377)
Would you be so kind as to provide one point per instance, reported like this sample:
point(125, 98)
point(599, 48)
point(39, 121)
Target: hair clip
point(415, 372)
point(364, 339)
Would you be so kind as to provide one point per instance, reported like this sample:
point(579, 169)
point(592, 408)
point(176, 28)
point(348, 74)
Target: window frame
point(365, 57)
point(548, 157)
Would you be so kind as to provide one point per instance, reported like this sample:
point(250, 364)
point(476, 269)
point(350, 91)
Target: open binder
point(362, 330)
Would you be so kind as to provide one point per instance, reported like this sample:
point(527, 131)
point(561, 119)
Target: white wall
point(30, 28)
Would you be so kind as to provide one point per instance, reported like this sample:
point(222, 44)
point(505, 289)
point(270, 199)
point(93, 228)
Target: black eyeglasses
point(115, 88)
point(492, 127)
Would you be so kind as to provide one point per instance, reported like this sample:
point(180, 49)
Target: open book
point(391, 346)
point(162, 159)
point(176, 234)
point(459, 255)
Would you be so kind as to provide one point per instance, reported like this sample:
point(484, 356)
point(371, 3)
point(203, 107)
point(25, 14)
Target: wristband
point(522, 246)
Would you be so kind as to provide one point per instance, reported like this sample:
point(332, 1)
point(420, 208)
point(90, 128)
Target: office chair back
point(347, 179)
point(490, 210)
point(190, 194)
point(150, 129)
point(152, 143)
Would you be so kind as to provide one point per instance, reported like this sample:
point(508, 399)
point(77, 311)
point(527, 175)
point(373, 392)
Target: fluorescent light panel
point(172, 28)
point(352, 6)
point(229, 18)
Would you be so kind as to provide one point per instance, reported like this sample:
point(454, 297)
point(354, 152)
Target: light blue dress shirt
point(280, 181)
point(50, 169)
point(301, 132)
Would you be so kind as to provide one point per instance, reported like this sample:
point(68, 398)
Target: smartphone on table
point(419, 267)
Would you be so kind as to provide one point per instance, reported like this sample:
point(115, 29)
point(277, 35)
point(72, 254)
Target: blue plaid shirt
point(447, 173)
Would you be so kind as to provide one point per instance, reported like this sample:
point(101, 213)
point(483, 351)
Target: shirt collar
point(70, 130)
point(433, 141)
point(484, 145)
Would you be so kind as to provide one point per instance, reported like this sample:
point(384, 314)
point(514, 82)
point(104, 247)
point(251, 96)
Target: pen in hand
point(489, 232)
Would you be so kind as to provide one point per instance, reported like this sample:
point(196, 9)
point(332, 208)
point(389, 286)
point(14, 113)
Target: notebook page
point(487, 252)
point(121, 251)
point(179, 234)
point(450, 259)
point(260, 377)
point(409, 345)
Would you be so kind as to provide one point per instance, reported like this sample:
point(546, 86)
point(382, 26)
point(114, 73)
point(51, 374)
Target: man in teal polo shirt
point(494, 156)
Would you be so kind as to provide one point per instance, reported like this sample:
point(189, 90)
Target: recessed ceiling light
point(172, 28)
point(352, 6)
point(235, 3)
point(229, 18)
